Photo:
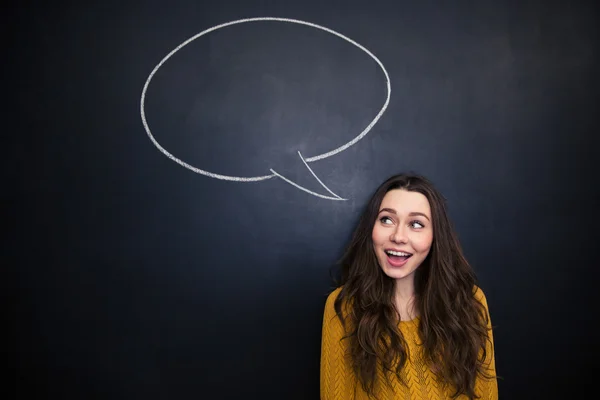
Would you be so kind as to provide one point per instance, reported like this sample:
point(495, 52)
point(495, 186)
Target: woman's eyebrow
point(412, 214)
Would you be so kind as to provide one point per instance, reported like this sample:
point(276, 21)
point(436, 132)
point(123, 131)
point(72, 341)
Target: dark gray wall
point(137, 278)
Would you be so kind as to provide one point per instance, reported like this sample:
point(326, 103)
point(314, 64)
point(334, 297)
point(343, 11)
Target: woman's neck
point(404, 299)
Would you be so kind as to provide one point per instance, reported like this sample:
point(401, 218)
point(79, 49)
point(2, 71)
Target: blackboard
point(136, 276)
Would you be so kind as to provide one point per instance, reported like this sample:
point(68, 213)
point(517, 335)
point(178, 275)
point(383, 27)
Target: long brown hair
point(453, 323)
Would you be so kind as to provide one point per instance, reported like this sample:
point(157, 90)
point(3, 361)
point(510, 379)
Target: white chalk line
point(317, 178)
point(305, 189)
point(309, 159)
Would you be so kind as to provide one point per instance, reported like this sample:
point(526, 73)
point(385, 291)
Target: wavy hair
point(453, 323)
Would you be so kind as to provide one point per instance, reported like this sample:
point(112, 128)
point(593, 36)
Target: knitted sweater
point(338, 382)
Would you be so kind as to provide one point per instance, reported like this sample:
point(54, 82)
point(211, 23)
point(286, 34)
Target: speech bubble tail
point(333, 197)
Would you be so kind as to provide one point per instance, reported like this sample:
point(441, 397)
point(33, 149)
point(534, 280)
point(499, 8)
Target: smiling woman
point(402, 237)
point(408, 319)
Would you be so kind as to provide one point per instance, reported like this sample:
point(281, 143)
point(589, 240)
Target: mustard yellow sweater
point(339, 383)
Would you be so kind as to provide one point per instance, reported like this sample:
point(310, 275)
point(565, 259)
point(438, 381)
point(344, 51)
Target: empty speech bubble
point(304, 159)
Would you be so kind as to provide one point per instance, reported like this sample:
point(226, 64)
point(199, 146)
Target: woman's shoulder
point(479, 295)
point(332, 297)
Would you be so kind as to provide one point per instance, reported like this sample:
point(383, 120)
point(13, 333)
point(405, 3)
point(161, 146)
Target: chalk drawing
point(336, 197)
point(304, 160)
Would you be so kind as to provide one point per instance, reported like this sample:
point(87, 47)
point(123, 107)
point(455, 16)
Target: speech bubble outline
point(304, 160)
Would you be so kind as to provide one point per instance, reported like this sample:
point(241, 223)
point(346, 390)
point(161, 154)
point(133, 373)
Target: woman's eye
point(386, 220)
point(417, 225)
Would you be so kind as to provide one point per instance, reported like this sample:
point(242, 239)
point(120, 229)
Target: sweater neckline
point(410, 321)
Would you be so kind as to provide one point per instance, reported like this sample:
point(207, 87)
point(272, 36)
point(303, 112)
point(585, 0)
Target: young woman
point(408, 320)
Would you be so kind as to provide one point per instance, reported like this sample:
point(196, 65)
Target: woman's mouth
point(397, 258)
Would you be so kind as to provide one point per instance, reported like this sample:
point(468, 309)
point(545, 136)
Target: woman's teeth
point(398, 253)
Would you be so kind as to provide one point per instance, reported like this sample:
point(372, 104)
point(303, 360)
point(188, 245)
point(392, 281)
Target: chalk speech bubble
point(305, 160)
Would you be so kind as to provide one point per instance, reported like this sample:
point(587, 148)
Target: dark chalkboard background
point(137, 278)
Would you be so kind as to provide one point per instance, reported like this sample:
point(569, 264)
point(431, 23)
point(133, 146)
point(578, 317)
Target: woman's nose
point(399, 235)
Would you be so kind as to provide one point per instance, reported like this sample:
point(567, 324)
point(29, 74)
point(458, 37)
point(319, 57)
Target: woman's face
point(403, 233)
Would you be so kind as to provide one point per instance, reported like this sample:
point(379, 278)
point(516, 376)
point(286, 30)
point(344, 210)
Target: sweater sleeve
point(337, 379)
point(487, 388)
